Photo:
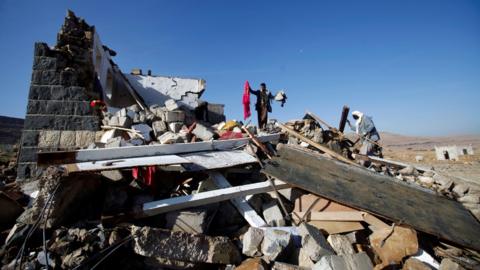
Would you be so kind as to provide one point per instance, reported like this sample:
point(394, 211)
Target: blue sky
point(412, 65)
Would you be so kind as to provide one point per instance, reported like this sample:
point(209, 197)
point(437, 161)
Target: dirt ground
point(404, 148)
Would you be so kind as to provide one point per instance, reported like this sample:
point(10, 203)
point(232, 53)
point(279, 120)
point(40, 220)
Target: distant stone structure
point(452, 152)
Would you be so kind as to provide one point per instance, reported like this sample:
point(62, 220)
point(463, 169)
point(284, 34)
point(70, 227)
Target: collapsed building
point(134, 171)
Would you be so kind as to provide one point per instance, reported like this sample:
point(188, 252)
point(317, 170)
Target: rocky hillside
point(10, 129)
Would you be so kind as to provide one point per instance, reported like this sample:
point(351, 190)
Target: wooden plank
point(207, 197)
point(377, 194)
point(343, 118)
point(112, 164)
point(240, 203)
point(318, 146)
point(216, 159)
point(63, 157)
point(334, 216)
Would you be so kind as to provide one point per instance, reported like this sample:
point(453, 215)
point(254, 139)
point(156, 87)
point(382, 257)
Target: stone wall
point(59, 115)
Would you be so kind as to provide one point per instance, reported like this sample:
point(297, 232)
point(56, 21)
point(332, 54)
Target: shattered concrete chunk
point(400, 243)
point(331, 262)
point(469, 199)
point(341, 244)
point(169, 138)
point(273, 215)
point(174, 116)
point(448, 264)
point(275, 242)
point(159, 127)
point(285, 266)
point(314, 243)
point(202, 132)
point(171, 105)
point(153, 242)
point(195, 221)
point(251, 242)
point(114, 175)
point(359, 261)
point(409, 170)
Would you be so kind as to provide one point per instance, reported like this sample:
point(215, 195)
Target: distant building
point(452, 152)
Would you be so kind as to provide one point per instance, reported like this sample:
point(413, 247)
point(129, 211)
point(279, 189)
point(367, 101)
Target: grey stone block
point(70, 78)
point(39, 92)
point(275, 243)
point(84, 138)
point(175, 126)
point(195, 221)
point(331, 262)
point(28, 154)
point(45, 77)
point(30, 138)
point(68, 139)
point(174, 116)
point(44, 62)
point(313, 242)
point(202, 132)
point(49, 138)
point(341, 244)
point(26, 170)
point(251, 242)
point(42, 49)
point(273, 215)
point(159, 127)
point(171, 105)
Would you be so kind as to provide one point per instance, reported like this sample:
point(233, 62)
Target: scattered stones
point(251, 242)
point(415, 264)
point(202, 132)
point(171, 105)
point(409, 170)
point(313, 242)
point(460, 189)
point(153, 242)
point(275, 243)
point(273, 215)
point(448, 264)
point(169, 138)
point(341, 244)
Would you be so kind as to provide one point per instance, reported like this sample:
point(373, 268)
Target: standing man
point(365, 128)
point(263, 105)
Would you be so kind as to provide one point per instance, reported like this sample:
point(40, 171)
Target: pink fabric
point(246, 101)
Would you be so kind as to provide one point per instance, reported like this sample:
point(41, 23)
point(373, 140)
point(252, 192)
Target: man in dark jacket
point(263, 105)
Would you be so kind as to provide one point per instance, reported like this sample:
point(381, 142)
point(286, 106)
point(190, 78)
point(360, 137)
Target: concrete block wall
point(59, 116)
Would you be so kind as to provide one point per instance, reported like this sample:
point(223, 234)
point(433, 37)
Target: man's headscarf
point(359, 116)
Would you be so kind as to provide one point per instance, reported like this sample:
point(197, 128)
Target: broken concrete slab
point(114, 175)
point(171, 105)
point(273, 215)
point(153, 242)
point(189, 221)
point(275, 243)
point(313, 242)
point(341, 244)
point(359, 261)
point(285, 266)
point(251, 242)
point(202, 132)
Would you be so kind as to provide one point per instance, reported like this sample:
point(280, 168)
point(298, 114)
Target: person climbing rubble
point(263, 105)
point(365, 128)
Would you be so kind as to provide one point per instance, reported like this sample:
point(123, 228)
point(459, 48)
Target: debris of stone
point(251, 242)
point(275, 243)
point(313, 242)
point(273, 215)
point(340, 244)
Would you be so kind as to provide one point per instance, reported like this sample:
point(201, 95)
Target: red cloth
point(147, 173)
point(246, 101)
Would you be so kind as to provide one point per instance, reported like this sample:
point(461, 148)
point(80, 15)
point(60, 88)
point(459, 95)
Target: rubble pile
point(464, 192)
point(175, 187)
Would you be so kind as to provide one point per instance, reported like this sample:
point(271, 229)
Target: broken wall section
point(59, 115)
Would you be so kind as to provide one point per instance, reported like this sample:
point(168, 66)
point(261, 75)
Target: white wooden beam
point(240, 203)
point(49, 158)
point(216, 159)
point(112, 164)
point(207, 197)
